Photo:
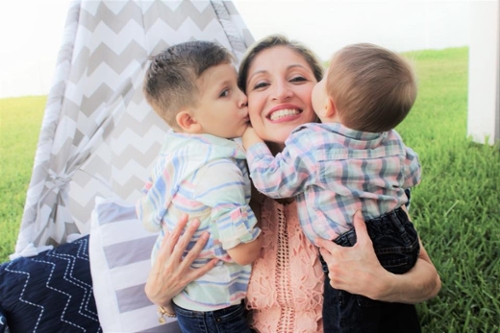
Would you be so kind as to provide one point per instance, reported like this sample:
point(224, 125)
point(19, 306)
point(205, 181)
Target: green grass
point(20, 121)
point(456, 208)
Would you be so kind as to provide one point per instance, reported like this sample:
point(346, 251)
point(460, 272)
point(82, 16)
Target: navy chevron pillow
point(50, 292)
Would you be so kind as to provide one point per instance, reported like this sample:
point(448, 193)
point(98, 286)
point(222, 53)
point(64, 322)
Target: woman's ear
point(187, 122)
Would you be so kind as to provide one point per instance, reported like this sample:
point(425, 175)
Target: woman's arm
point(170, 273)
point(357, 270)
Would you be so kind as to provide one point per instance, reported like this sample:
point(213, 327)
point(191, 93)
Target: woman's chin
point(280, 135)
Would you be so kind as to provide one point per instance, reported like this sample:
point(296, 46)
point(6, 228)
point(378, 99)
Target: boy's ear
point(187, 122)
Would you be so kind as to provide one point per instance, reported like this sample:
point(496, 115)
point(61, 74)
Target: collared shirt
point(332, 171)
point(206, 177)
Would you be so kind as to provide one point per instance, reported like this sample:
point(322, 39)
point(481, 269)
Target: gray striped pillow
point(119, 251)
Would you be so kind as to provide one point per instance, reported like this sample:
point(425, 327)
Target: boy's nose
point(243, 101)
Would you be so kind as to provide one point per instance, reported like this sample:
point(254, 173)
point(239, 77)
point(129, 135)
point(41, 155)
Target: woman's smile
point(279, 93)
point(285, 112)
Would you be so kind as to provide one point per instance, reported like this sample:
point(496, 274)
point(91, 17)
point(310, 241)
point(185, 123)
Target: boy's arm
point(222, 187)
point(147, 211)
point(246, 253)
point(288, 173)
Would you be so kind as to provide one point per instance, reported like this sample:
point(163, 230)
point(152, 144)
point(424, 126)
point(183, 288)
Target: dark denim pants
point(227, 320)
point(396, 245)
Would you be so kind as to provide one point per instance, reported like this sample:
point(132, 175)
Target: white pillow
point(119, 252)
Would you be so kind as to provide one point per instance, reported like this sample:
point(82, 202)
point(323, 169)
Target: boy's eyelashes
point(224, 93)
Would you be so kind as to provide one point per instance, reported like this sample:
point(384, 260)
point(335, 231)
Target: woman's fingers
point(352, 268)
point(171, 272)
point(360, 229)
point(193, 254)
point(170, 239)
point(184, 240)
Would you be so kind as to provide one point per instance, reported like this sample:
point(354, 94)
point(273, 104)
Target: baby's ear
point(187, 122)
point(330, 108)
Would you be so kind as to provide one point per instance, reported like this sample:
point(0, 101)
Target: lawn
point(456, 208)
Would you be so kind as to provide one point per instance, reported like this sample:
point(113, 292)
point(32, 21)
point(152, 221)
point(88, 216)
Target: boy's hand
point(250, 138)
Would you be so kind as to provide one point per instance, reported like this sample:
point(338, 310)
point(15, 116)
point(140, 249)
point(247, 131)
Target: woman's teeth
point(283, 113)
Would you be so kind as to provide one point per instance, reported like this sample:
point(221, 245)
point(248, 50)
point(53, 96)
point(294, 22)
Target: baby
point(352, 160)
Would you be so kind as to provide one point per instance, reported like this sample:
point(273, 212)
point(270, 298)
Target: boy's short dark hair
point(170, 81)
point(373, 88)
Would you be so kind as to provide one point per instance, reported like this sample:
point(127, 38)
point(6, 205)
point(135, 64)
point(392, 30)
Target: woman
point(285, 290)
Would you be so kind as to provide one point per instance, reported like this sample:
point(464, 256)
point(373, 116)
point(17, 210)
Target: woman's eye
point(298, 79)
point(224, 93)
point(260, 85)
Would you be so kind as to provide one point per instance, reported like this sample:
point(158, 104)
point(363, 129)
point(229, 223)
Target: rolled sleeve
point(237, 226)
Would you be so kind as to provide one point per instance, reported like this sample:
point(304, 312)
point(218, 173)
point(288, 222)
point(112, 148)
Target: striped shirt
point(206, 177)
point(332, 171)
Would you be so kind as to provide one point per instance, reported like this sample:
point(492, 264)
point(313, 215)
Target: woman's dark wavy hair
point(270, 42)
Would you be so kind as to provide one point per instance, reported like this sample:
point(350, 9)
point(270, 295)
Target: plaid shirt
point(332, 171)
point(206, 177)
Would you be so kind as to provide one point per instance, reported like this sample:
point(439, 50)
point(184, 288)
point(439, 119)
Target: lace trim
point(283, 285)
point(301, 276)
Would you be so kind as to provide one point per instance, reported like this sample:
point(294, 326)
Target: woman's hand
point(357, 270)
point(170, 273)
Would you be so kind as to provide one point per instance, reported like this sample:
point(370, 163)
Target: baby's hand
point(250, 138)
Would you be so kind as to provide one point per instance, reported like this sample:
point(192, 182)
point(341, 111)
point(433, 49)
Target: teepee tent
point(98, 142)
point(99, 136)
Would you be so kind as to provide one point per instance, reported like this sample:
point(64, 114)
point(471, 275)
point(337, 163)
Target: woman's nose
point(281, 92)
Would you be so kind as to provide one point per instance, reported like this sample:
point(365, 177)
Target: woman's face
point(279, 86)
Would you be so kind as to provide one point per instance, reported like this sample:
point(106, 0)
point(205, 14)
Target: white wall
point(484, 113)
point(31, 30)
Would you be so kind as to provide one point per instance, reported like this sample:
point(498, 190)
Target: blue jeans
point(227, 320)
point(396, 245)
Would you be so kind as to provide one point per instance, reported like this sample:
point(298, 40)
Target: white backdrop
point(31, 30)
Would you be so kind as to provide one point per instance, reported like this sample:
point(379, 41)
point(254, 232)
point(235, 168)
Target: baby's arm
point(250, 138)
point(233, 221)
point(413, 171)
point(411, 165)
point(288, 173)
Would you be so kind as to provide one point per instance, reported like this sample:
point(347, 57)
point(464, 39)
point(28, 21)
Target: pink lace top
point(285, 292)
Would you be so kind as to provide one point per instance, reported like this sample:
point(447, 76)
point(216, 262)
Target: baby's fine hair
point(373, 89)
point(170, 81)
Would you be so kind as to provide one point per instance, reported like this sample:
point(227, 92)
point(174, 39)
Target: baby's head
point(193, 87)
point(369, 88)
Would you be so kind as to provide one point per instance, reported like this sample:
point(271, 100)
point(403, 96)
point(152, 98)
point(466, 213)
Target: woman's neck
point(275, 147)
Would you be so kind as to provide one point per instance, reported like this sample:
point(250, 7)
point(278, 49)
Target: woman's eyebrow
point(265, 71)
point(295, 65)
point(256, 73)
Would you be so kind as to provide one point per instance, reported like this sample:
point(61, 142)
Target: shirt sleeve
point(150, 207)
point(222, 187)
point(288, 173)
point(412, 169)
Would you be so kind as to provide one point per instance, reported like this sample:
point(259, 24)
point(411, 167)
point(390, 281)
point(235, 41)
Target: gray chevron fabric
point(99, 136)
